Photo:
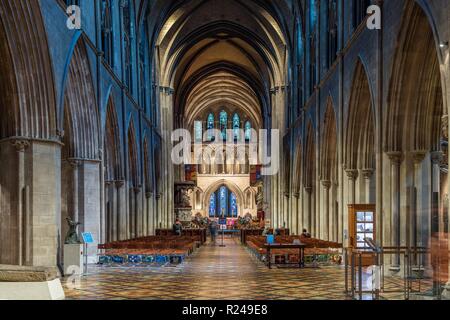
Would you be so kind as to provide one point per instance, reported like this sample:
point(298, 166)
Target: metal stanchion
point(346, 271)
point(360, 277)
point(85, 256)
point(223, 236)
point(353, 275)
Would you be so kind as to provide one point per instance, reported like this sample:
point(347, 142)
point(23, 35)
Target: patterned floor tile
point(214, 273)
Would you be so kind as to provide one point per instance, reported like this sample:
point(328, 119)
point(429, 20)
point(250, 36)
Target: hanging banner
point(255, 175)
point(190, 172)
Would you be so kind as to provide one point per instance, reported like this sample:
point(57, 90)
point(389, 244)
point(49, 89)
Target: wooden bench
point(315, 250)
point(148, 250)
point(200, 234)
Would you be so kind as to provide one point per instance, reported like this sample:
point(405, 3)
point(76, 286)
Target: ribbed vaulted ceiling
point(217, 53)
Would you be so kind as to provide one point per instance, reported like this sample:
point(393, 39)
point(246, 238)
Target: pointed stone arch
point(80, 112)
point(80, 152)
point(416, 97)
point(28, 73)
point(133, 160)
point(360, 135)
point(329, 173)
point(231, 186)
point(329, 160)
point(112, 143)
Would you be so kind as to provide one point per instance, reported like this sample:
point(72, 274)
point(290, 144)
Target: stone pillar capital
point(296, 195)
point(137, 190)
point(74, 163)
point(119, 183)
point(148, 195)
point(326, 184)
point(308, 190)
point(20, 145)
point(418, 156)
point(352, 174)
point(108, 183)
point(158, 196)
point(395, 156)
point(60, 133)
point(367, 173)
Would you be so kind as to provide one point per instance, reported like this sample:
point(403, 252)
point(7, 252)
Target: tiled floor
point(212, 273)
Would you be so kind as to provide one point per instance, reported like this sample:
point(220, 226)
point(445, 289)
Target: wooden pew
point(315, 248)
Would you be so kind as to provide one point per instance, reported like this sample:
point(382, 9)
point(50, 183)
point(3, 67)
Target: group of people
point(214, 227)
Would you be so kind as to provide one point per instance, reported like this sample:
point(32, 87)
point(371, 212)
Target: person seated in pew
point(177, 228)
point(306, 234)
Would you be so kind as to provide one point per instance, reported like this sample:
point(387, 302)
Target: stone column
point(109, 197)
point(149, 213)
point(437, 236)
point(114, 208)
point(119, 222)
point(295, 214)
point(418, 215)
point(285, 211)
point(76, 190)
point(336, 226)
point(30, 197)
point(307, 215)
point(130, 215)
point(158, 211)
point(368, 174)
point(138, 215)
point(23, 218)
point(396, 160)
point(327, 227)
point(352, 175)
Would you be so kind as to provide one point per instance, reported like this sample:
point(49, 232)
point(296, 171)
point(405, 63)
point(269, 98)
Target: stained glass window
point(312, 13)
point(248, 131)
point(233, 205)
point(128, 38)
point(107, 32)
point(143, 66)
point(210, 126)
point(236, 126)
point(332, 31)
point(223, 201)
point(312, 46)
point(223, 124)
point(198, 128)
point(212, 205)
